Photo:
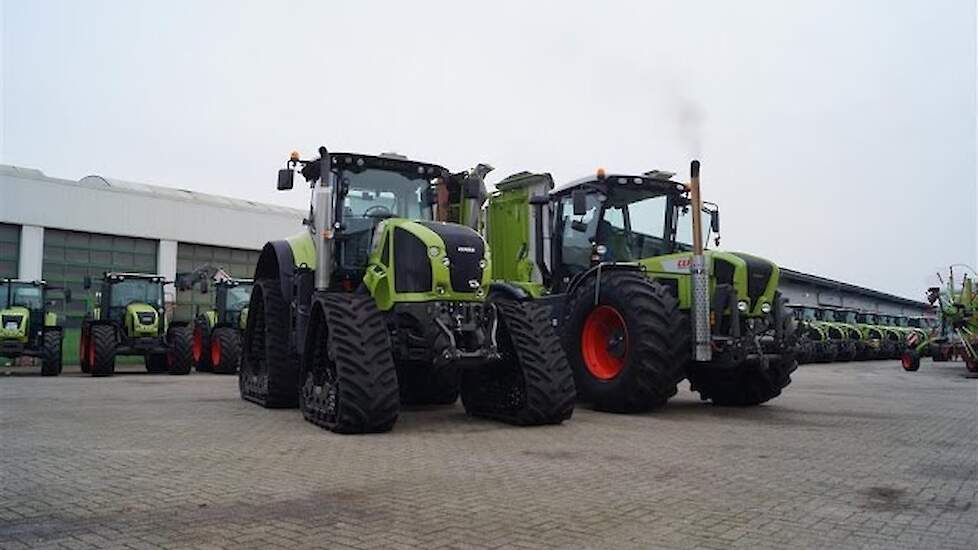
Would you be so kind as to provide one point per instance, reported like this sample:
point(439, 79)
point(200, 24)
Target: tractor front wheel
point(201, 345)
point(101, 350)
point(627, 343)
point(180, 355)
point(51, 355)
point(533, 384)
point(744, 385)
point(910, 360)
point(225, 350)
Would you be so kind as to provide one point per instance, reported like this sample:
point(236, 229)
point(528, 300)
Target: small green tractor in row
point(127, 317)
point(386, 300)
point(957, 333)
point(844, 334)
point(619, 260)
point(218, 330)
point(28, 327)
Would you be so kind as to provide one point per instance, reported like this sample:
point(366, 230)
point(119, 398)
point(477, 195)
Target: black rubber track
point(533, 384)
point(348, 374)
point(51, 354)
point(202, 327)
point(658, 343)
point(180, 340)
point(269, 373)
point(156, 363)
point(102, 338)
point(230, 341)
point(421, 384)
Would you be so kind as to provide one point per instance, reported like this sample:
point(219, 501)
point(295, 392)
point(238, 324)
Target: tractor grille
point(9, 320)
point(758, 274)
point(146, 317)
point(412, 266)
point(465, 250)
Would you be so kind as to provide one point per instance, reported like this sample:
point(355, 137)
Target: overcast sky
point(837, 137)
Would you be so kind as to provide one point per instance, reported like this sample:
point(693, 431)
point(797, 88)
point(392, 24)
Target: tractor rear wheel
point(156, 363)
point(910, 360)
point(628, 351)
point(51, 354)
point(101, 350)
point(269, 373)
point(84, 340)
point(349, 381)
point(225, 350)
point(427, 385)
point(180, 357)
point(533, 384)
point(743, 385)
point(201, 345)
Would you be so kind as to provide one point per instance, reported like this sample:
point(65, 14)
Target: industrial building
point(62, 230)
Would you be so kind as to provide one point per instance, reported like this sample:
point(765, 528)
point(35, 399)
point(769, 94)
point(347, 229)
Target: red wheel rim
point(198, 346)
point(216, 352)
point(907, 362)
point(604, 342)
point(91, 351)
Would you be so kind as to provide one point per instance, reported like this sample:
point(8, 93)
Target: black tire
point(83, 349)
point(269, 372)
point(533, 384)
point(156, 363)
point(102, 338)
point(51, 354)
point(202, 344)
point(421, 384)
point(743, 385)
point(910, 360)
point(349, 381)
point(224, 350)
point(655, 355)
point(180, 357)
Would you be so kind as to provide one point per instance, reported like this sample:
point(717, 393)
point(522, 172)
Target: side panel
point(508, 234)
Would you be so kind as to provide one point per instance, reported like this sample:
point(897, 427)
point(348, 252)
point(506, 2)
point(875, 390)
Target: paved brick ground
point(853, 455)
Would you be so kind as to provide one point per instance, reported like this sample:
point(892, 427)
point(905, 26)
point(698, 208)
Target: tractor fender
point(507, 290)
point(276, 262)
point(579, 279)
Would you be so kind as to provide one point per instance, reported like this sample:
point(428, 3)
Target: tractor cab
point(27, 326)
point(231, 300)
point(804, 313)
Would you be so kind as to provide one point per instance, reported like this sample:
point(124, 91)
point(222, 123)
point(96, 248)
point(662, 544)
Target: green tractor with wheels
point(877, 344)
point(639, 303)
point(844, 336)
point(28, 327)
point(218, 330)
point(894, 338)
point(127, 317)
point(385, 300)
point(956, 334)
point(813, 344)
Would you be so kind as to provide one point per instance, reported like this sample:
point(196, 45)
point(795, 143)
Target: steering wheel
point(378, 211)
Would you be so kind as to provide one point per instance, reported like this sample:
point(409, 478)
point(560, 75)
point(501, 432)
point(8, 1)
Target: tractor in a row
point(28, 325)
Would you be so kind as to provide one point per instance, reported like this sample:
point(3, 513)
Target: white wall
point(31, 254)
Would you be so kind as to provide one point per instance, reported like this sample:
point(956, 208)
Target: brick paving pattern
point(852, 456)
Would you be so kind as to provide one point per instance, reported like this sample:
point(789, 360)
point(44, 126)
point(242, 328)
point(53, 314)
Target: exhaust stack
point(702, 350)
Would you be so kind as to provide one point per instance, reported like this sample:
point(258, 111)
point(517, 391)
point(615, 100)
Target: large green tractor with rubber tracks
point(218, 330)
point(813, 344)
point(640, 305)
point(386, 300)
point(127, 318)
point(28, 326)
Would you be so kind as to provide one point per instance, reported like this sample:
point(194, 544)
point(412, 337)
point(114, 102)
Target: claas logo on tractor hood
point(466, 249)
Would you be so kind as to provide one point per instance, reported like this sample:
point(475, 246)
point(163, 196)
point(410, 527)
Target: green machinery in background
point(814, 344)
point(957, 333)
point(28, 327)
point(640, 305)
point(385, 299)
point(218, 330)
point(127, 317)
point(845, 336)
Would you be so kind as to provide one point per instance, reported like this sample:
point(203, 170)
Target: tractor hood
point(755, 279)
point(13, 323)
point(142, 320)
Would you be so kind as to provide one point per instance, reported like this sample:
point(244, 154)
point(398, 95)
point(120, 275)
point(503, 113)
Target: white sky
point(837, 137)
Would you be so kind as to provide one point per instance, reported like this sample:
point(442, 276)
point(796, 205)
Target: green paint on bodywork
point(16, 333)
point(134, 327)
point(380, 278)
point(243, 318)
point(303, 250)
point(508, 234)
point(50, 319)
point(211, 316)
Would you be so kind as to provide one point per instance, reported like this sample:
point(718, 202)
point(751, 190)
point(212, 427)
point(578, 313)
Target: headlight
point(765, 308)
point(434, 251)
point(742, 306)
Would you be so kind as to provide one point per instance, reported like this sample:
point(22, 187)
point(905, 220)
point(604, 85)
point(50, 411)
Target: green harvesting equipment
point(640, 305)
point(127, 318)
point(385, 299)
point(957, 335)
point(28, 327)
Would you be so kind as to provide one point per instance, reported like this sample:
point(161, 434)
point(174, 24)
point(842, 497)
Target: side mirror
point(579, 199)
point(286, 179)
point(87, 282)
point(715, 221)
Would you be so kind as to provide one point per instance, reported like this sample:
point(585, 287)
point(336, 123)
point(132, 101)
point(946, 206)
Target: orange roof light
point(294, 155)
point(600, 173)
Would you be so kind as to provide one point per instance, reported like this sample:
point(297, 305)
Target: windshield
point(383, 193)
point(135, 291)
point(634, 225)
point(828, 315)
point(849, 317)
point(808, 314)
point(684, 229)
point(238, 297)
point(867, 318)
point(21, 294)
